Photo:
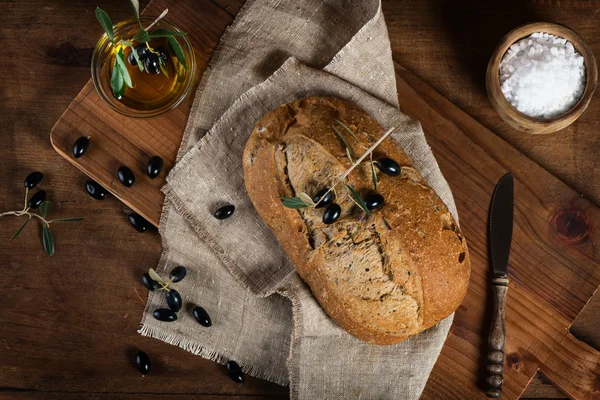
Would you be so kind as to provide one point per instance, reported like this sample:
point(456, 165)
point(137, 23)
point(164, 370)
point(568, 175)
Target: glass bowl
point(102, 62)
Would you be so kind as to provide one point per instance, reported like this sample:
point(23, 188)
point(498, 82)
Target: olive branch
point(37, 201)
point(303, 200)
point(120, 77)
point(162, 282)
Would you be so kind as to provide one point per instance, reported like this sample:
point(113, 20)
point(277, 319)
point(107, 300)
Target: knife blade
point(501, 224)
point(500, 234)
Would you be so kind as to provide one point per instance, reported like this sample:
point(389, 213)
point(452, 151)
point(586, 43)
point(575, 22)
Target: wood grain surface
point(553, 269)
point(117, 140)
point(67, 323)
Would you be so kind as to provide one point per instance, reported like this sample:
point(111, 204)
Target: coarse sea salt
point(542, 75)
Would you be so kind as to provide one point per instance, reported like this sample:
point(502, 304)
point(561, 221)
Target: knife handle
point(497, 339)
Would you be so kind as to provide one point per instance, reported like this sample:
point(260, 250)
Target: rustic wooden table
point(68, 322)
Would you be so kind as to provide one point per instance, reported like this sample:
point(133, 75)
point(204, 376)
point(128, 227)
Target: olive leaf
point(106, 23)
point(163, 69)
point(306, 198)
point(293, 202)
point(177, 50)
point(128, 43)
point(120, 57)
point(135, 4)
point(302, 201)
point(349, 156)
point(20, 229)
point(347, 129)
point(155, 276)
point(161, 33)
point(45, 208)
point(68, 219)
point(349, 151)
point(47, 240)
point(373, 173)
point(117, 84)
point(358, 200)
point(138, 60)
point(142, 36)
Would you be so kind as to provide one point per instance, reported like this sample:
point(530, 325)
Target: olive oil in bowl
point(160, 79)
point(165, 80)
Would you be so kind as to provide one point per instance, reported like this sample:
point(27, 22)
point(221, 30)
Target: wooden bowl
point(510, 114)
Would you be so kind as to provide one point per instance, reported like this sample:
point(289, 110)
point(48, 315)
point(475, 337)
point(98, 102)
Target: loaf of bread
point(382, 277)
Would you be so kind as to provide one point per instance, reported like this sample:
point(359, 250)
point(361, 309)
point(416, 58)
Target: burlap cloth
point(264, 317)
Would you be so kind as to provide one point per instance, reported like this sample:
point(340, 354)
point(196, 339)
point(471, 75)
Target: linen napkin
point(264, 316)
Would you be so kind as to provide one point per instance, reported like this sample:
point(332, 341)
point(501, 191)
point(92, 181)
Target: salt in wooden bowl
point(508, 112)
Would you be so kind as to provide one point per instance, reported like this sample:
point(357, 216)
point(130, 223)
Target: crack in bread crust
point(382, 277)
point(360, 268)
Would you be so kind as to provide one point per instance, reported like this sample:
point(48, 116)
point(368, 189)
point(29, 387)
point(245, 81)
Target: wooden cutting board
point(117, 140)
point(554, 267)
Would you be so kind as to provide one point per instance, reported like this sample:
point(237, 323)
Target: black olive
point(177, 274)
point(142, 362)
point(165, 315)
point(125, 176)
point(33, 179)
point(202, 316)
point(174, 300)
point(155, 165)
point(235, 372)
point(374, 201)
point(389, 166)
point(37, 199)
point(138, 222)
point(95, 190)
point(142, 52)
point(163, 53)
point(326, 200)
point(150, 283)
point(80, 146)
point(152, 64)
point(225, 212)
point(332, 213)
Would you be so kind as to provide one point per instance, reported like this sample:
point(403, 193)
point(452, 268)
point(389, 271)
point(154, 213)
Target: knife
point(500, 234)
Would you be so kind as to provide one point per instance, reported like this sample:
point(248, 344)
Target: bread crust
point(384, 277)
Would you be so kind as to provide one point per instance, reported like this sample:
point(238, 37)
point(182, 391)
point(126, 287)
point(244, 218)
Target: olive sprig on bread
point(323, 197)
point(382, 278)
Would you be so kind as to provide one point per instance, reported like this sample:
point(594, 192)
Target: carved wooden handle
point(497, 340)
